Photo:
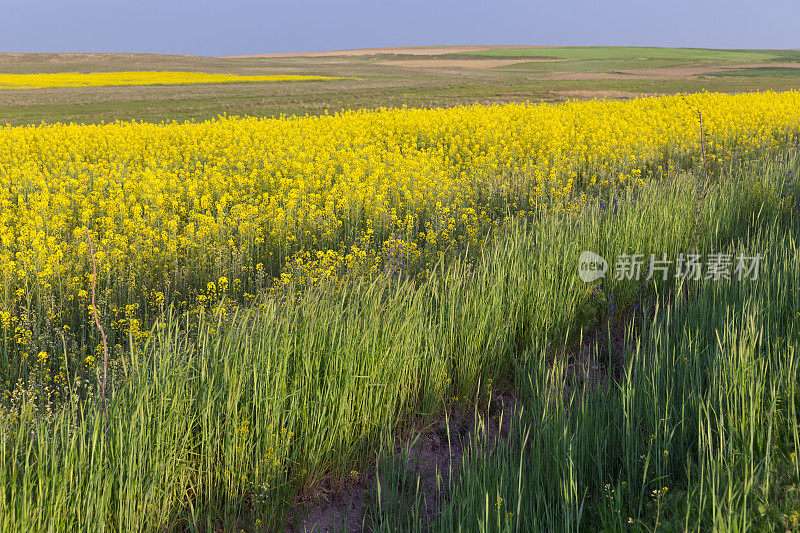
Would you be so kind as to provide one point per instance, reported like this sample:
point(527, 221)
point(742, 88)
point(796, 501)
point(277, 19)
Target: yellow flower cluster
point(99, 79)
point(178, 210)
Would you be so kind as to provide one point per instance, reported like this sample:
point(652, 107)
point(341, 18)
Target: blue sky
point(214, 28)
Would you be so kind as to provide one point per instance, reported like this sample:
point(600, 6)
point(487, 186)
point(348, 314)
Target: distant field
point(594, 65)
point(422, 77)
point(635, 52)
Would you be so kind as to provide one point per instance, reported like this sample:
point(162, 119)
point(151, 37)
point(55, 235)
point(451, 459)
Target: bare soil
point(430, 456)
point(451, 63)
point(671, 73)
point(400, 50)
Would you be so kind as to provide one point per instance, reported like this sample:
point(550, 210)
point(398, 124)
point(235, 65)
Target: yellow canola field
point(186, 212)
point(100, 79)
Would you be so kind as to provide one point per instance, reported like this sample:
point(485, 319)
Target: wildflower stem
point(703, 145)
point(97, 322)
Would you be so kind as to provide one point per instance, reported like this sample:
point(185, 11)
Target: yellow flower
point(406, 187)
point(97, 79)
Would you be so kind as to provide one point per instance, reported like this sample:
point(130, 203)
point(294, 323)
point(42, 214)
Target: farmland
point(370, 315)
point(417, 77)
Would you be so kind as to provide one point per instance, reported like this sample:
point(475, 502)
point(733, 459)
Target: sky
point(231, 27)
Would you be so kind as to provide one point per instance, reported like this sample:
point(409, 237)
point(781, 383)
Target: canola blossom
point(99, 79)
point(186, 213)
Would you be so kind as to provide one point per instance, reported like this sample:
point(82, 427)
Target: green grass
point(699, 431)
point(755, 72)
point(225, 421)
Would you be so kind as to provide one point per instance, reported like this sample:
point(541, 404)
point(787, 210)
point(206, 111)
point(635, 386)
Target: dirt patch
point(427, 461)
point(429, 458)
point(451, 63)
point(670, 73)
point(691, 71)
point(400, 50)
